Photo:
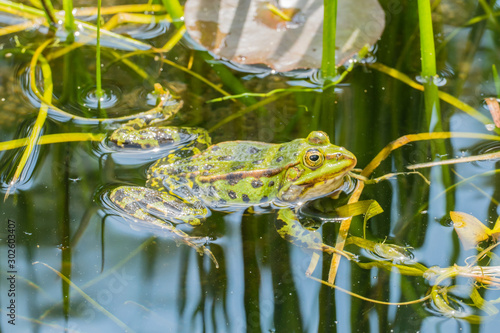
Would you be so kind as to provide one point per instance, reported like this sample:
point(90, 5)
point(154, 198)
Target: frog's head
point(320, 171)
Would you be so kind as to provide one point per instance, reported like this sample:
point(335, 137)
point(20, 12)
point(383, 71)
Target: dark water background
point(150, 284)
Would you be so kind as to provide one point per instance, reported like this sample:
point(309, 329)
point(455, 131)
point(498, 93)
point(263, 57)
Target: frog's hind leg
point(151, 208)
point(289, 227)
point(137, 134)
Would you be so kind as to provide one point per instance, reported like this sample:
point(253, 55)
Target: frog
point(198, 176)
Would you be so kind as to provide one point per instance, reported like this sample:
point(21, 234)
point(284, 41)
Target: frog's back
point(231, 173)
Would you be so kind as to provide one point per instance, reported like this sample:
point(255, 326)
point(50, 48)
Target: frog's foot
point(289, 227)
point(151, 208)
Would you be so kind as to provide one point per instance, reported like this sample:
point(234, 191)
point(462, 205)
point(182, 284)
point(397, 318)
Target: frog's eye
point(313, 158)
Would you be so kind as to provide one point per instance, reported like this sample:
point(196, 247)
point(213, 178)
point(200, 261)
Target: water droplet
point(490, 127)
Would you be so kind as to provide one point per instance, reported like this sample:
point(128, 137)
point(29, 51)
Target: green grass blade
point(174, 8)
point(328, 68)
point(69, 20)
point(98, 90)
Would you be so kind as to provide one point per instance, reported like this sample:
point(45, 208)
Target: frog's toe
point(194, 242)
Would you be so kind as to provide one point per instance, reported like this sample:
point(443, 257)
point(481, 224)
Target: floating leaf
point(470, 230)
point(494, 108)
point(253, 32)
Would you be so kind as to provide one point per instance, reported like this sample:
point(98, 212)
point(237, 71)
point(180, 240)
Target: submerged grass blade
point(88, 298)
point(350, 293)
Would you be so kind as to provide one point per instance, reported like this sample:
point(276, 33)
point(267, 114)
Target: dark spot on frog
point(205, 173)
point(208, 166)
point(257, 183)
point(279, 159)
point(237, 167)
point(232, 194)
point(281, 148)
point(280, 224)
point(264, 199)
point(245, 198)
point(222, 202)
point(258, 161)
point(233, 181)
point(271, 183)
point(225, 158)
point(253, 150)
point(215, 148)
point(192, 168)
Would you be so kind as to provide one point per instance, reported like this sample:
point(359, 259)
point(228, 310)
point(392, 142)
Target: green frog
point(197, 176)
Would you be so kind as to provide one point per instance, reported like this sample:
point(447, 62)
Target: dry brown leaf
point(494, 108)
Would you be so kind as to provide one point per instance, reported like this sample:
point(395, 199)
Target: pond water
point(123, 276)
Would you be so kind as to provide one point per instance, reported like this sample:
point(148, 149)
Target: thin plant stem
point(328, 69)
point(98, 90)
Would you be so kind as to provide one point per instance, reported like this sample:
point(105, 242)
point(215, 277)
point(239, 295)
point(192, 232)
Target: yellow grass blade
point(42, 113)
point(53, 138)
point(442, 95)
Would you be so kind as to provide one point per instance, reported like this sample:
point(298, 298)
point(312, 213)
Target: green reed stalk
point(174, 8)
point(98, 89)
point(328, 69)
point(428, 54)
point(69, 20)
point(496, 78)
point(431, 91)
